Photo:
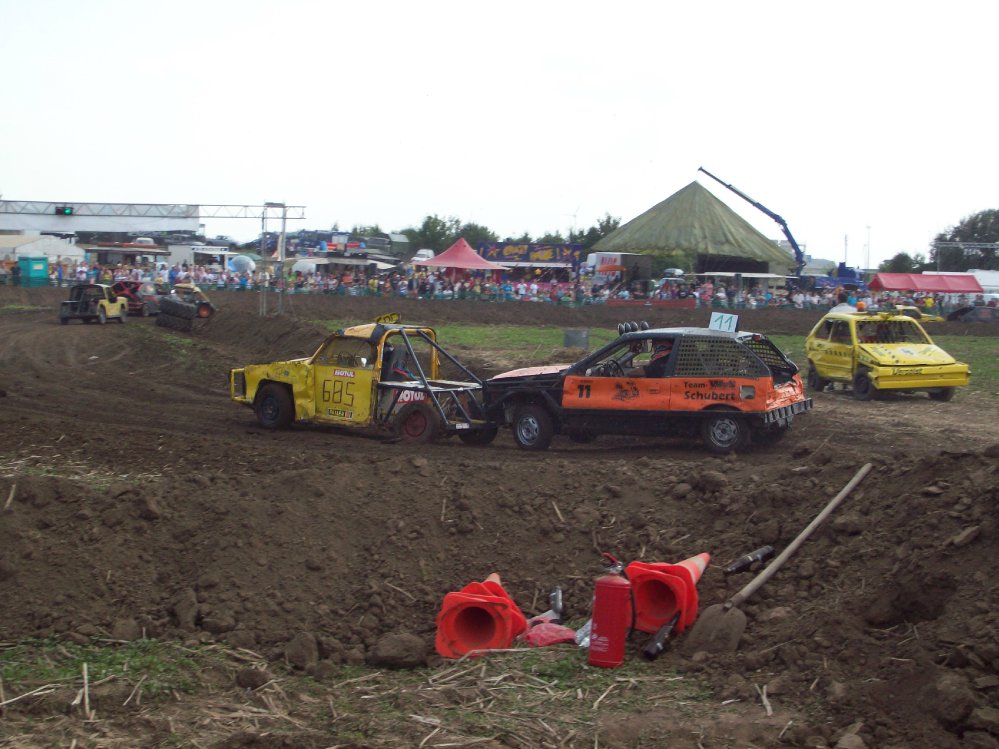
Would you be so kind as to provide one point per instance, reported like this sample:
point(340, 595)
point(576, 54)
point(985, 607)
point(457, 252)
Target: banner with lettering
point(567, 255)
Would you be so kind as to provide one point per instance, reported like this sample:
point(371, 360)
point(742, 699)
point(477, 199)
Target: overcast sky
point(850, 120)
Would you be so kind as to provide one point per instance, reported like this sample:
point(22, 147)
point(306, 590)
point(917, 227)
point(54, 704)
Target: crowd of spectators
point(529, 286)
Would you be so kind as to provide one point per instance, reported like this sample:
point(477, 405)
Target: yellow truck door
point(343, 374)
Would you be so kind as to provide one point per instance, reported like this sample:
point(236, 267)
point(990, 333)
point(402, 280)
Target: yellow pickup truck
point(383, 376)
point(877, 352)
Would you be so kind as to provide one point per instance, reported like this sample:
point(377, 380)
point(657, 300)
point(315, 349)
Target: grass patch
point(982, 355)
point(161, 667)
point(12, 308)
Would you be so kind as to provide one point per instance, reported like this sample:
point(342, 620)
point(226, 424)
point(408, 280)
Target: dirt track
point(147, 501)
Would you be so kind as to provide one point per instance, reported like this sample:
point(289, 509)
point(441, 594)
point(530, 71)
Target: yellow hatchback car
point(880, 351)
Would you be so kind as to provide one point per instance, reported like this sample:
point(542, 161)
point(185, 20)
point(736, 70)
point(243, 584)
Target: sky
point(869, 126)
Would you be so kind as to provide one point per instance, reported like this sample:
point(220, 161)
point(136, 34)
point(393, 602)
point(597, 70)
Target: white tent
point(14, 246)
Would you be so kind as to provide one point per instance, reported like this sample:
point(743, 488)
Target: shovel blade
point(717, 630)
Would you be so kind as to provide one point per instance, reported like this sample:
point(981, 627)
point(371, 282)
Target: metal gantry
point(154, 210)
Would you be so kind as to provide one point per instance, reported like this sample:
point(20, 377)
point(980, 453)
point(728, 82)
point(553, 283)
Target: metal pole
point(868, 248)
point(263, 256)
point(281, 239)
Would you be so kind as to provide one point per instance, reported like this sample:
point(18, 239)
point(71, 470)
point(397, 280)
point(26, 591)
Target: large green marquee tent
point(697, 231)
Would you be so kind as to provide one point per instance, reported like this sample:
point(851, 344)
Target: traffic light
point(64, 210)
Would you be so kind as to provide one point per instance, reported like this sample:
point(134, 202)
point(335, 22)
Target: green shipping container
point(34, 271)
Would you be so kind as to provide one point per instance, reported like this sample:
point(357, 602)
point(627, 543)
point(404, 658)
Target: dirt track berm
point(720, 626)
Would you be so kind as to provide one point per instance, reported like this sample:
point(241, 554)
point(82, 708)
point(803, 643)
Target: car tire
point(724, 431)
point(177, 308)
point(944, 395)
point(479, 437)
point(122, 314)
point(64, 320)
point(274, 407)
point(416, 423)
point(815, 382)
point(204, 310)
point(102, 317)
point(863, 388)
point(532, 427)
point(144, 310)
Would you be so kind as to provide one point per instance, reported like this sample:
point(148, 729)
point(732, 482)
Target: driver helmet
point(661, 349)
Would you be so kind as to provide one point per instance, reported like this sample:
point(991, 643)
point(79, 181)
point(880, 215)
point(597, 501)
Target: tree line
point(972, 243)
point(437, 233)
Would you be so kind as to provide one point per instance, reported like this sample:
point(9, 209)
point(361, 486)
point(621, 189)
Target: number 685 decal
point(338, 391)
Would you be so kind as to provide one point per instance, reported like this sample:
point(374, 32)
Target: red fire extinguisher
point(612, 616)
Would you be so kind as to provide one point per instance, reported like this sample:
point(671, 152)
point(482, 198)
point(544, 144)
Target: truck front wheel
point(274, 407)
point(532, 427)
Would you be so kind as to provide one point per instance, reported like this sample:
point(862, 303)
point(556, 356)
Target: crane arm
point(799, 256)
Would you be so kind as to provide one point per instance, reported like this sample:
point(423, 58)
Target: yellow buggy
point(384, 376)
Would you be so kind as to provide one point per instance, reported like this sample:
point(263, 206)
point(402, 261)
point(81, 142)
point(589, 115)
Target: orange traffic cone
point(661, 590)
point(481, 616)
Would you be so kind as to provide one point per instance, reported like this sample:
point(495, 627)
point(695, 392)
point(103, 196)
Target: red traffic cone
point(661, 590)
point(481, 616)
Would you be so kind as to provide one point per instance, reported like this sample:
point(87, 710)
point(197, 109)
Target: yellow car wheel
point(863, 388)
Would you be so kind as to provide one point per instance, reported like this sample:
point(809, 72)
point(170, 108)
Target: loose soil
point(140, 501)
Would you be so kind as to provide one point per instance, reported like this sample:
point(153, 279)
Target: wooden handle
point(792, 547)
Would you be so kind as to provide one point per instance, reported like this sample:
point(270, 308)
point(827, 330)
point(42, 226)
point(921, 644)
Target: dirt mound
point(138, 500)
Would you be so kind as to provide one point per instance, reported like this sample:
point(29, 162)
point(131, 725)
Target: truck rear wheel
point(479, 437)
point(102, 316)
point(417, 423)
point(274, 407)
point(532, 427)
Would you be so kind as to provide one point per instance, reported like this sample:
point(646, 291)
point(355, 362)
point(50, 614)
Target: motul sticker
point(340, 413)
point(409, 396)
point(343, 373)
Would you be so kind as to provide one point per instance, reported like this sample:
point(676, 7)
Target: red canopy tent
point(935, 282)
point(460, 255)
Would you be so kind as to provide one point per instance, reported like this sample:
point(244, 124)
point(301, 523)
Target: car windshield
point(890, 331)
point(616, 361)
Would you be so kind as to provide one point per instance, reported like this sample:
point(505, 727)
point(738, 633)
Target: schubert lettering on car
point(709, 396)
